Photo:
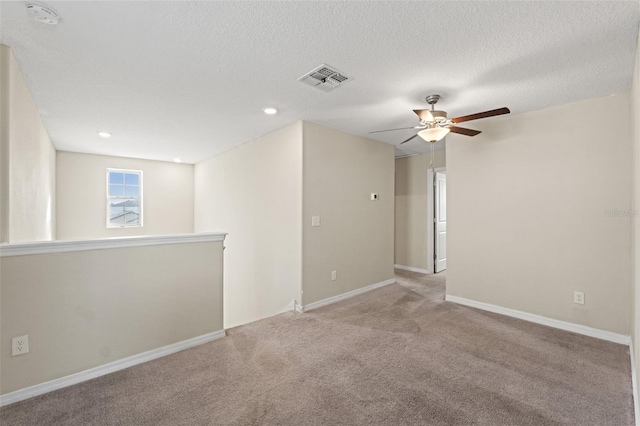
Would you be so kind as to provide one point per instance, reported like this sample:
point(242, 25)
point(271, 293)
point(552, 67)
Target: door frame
point(431, 235)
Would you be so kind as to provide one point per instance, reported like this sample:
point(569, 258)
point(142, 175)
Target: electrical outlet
point(315, 220)
point(20, 345)
point(578, 297)
point(334, 275)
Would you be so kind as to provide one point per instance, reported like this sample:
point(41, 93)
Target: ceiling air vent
point(324, 78)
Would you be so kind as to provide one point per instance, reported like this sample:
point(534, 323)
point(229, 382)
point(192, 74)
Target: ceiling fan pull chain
point(432, 152)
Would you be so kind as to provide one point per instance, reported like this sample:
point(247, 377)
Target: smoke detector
point(43, 13)
point(324, 78)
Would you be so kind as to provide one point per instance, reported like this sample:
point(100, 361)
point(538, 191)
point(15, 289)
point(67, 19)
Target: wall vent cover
point(325, 78)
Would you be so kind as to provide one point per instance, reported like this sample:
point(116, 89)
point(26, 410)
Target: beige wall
point(526, 213)
point(81, 191)
point(27, 160)
point(84, 309)
point(413, 219)
point(355, 238)
point(5, 59)
point(254, 192)
point(635, 219)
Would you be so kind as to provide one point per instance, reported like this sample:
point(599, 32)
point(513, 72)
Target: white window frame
point(141, 197)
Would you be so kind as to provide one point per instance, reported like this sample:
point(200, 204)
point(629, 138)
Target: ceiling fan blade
point(408, 139)
point(424, 114)
point(391, 130)
point(463, 131)
point(480, 115)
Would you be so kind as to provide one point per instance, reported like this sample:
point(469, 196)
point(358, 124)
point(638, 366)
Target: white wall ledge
point(43, 247)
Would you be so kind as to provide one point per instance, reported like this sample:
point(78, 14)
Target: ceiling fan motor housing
point(439, 115)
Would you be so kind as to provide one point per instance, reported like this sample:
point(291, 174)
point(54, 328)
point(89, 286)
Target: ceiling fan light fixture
point(433, 134)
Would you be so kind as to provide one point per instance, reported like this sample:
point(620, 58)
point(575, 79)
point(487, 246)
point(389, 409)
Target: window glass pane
point(124, 198)
point(115, 177)
point(116, 190)
point(131, 191)
point(132, 212)
point(132, 179)
point(116, 212)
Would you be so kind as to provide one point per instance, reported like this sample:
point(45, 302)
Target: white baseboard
point(292, 306)
point(634, 384)
point(347, 295)
point(562, 325)
point(411, 269)
point(92, 373)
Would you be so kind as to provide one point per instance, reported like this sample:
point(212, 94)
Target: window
point(124, 198)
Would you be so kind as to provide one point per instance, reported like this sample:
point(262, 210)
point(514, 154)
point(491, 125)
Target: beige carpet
point(396, 355)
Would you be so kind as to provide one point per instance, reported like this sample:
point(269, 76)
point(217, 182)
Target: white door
point(440, 221)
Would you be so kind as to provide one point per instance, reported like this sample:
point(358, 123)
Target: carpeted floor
point(398, 355)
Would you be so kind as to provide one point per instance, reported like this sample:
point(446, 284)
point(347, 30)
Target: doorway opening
point(437, 213)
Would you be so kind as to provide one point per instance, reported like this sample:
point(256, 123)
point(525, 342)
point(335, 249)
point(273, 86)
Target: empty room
point(319, 212)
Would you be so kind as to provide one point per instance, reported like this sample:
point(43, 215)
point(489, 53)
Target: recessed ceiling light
point(270, 111)
point(177, 160)
point(104, 134)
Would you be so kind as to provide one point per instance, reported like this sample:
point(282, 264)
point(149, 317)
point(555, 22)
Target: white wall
point(27, 160)
point(254, 192)
point(82, 203)
point(526, 213)
point(355, 238)
point(88, 308)
point(635, 218)
point(413, 218)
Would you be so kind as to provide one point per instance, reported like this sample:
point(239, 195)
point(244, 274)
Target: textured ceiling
point(190, 79)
